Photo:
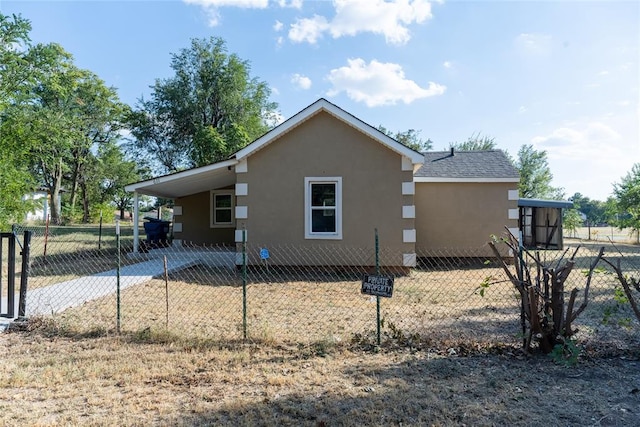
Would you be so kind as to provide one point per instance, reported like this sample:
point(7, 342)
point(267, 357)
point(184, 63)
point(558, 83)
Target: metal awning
point(185, 183)
point(541, 203)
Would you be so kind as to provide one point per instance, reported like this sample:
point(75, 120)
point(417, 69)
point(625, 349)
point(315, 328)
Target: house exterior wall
point(195, 220)
point(371, 176)
point(459, 218)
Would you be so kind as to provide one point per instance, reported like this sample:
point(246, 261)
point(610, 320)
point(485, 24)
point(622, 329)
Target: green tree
point(475, 142)
point(594, 210)
point(17, 70)
point(209, 109)
point(410, 138)
point(627, 194)
point(70, 112)
point(572, 220)
point(114, 171)
point(535, 175)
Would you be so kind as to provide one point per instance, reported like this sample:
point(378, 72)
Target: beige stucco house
point(324, 180)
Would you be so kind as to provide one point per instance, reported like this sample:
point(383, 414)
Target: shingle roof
point(485, 164)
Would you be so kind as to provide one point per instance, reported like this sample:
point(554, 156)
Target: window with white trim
point(222, 206)
point(323, 208)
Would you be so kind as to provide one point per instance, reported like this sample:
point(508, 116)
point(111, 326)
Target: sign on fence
point(381, 286)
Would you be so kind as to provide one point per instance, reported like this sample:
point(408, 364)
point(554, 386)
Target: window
point(222, 206)
point(323, 208)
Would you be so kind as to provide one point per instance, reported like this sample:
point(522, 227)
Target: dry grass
point(158, 379)
point(449, 356)
point(202, 302)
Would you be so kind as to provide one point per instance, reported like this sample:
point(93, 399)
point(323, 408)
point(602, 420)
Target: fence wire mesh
point(303, 295)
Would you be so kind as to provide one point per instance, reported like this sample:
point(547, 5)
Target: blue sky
point(563, 76)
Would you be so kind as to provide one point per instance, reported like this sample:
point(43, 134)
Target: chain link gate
point(8, 270)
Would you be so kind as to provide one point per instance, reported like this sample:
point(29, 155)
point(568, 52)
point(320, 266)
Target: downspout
point(136, 234)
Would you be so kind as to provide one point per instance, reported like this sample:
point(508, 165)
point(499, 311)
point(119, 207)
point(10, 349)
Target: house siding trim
point(408, 188)
point(409, 260)
point(409, 236)
point(408, 212)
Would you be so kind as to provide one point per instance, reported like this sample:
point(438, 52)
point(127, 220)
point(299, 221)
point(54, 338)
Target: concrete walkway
point(72, 293)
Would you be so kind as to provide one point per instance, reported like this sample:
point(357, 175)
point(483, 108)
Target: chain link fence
point(80, 281)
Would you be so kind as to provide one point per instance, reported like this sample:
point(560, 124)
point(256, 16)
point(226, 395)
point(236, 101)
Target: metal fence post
point(244, 284)
point(377, 248)
point(118, 277)
point(24, 275)
point(11, 276)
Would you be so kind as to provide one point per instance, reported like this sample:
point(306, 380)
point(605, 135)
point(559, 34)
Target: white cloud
point(211, 7)
point(301, 82)
point(522, 109)
point(533, 44)
point(378, 83)
point(308, 30)
point(389, 18)
point(447, 64)
point(278, 26)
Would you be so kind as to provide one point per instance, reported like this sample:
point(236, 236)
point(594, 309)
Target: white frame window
point(214, 208)
point(328, 208)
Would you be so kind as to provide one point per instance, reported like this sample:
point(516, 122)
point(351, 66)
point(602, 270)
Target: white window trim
point(337, 180)
point(212, 217)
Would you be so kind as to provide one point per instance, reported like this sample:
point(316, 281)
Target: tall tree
point(209, 109)
point(627, 193)
point(475, 142)
point(16, 72)
point(411, 138)
point(70, 111)
point(535, 174)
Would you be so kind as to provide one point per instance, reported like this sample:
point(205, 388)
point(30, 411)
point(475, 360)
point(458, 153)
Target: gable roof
point(322, 105)
point(204, 178)
point(467, 166)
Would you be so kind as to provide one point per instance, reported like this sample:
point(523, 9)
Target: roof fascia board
point(179, 175)
point(316, 107)
point(433, 179)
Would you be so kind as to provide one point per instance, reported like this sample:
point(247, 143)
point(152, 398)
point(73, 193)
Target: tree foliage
point(594, 210)
point(209, 109)
point(71, 112)
point(15, 73)
point(572, 221)
point(475, 142)
point(535, 175)
point(627, 194)
point(410, 138)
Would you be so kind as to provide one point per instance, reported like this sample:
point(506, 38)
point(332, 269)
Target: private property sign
point(381, 286)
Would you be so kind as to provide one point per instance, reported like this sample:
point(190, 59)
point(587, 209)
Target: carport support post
point(118, 277)
point(136, 234)
point(377, 297)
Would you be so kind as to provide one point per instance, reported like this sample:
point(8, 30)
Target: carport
point(540, 222)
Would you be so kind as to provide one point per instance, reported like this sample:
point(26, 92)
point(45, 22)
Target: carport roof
point(189, 181)
point(541, 203)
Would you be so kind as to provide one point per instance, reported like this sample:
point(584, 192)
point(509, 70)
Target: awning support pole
point(136, 234)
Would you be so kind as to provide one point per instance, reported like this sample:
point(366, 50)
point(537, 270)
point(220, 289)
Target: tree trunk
point(55, 194)
point(86, 217)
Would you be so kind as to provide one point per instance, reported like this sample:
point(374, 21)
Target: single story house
point(324, 180)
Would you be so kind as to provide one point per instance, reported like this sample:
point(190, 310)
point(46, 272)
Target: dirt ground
point(154, 379)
